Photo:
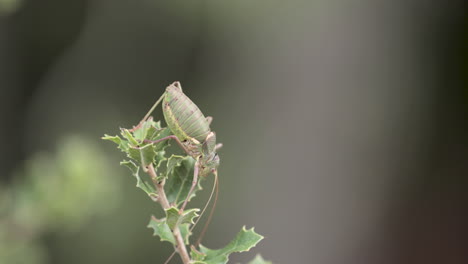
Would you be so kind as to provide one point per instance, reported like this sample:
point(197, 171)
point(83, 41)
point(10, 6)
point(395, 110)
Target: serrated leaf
point(179, 175)
point(188, 216)
point(259, 260)
point(161, 146)
point(158, 160)
point(157, 124)
point(116, 139)
point(134, 154)
point(147, 154)
point(174, 218)
point(144, 155)
point(196, 255)
point(126, 134)
point(244, 241)
point(141, 132)
point(123, 144)
point(142, 184)
point(162, 229)
point(185, 232)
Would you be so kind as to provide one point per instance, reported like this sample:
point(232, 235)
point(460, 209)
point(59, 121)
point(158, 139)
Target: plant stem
point(162, 199)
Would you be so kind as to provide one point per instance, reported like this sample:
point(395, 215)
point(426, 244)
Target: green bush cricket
point(191, 130)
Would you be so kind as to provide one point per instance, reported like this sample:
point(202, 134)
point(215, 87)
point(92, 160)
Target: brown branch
point(162, 199)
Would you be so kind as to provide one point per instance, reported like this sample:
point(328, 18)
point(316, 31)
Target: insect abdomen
point(183, 117)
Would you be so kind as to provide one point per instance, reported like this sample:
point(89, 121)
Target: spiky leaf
point(162, 229)
point(141, 131)
point(174, 218)
point(137, 146)
point(185, 232)
point(196, 255)
point(140, 152)
point(123, 144)
point(147, 187)
point(244, 241)
point(129, 137)
point(147, 154)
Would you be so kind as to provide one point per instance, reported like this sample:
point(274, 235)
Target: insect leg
point(167, 138)
point(194, 183)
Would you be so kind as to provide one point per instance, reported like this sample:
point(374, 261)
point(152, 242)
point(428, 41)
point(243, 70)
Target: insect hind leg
point(167, 138)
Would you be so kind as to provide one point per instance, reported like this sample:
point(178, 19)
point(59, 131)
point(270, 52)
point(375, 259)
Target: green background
point(343, 122)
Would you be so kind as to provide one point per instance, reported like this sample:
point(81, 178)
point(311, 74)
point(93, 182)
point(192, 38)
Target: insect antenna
point(207, 223)
point(153, 107)
point(170, 257)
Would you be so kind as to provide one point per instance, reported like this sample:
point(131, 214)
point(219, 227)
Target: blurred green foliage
point(8, 6)
point(58, 192)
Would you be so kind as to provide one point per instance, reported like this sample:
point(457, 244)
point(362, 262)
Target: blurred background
point(344, 123)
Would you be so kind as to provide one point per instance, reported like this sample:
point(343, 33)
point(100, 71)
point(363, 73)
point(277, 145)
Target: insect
point(191, 130)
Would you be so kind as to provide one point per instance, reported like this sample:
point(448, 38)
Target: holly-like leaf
point(179, 175)
point(137, 144)
point(152, 131)
point(123, 144)
point(162, 229)
point(134, 154)
point(185, 232)
point(244, 241)
point(174, 218)
point(116, 139)
point(141, 131)
point(147, 154)
point(147, 187)
point(129, 137)
point(259, 260)
point(196, 255)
